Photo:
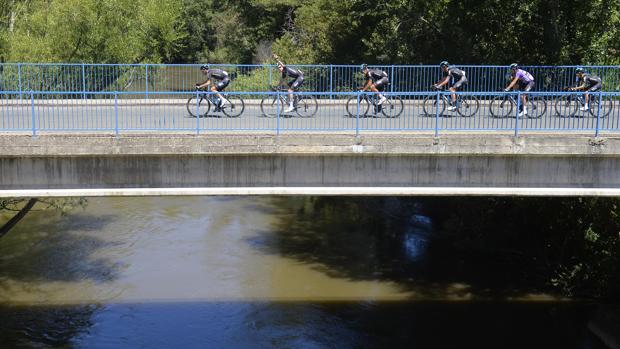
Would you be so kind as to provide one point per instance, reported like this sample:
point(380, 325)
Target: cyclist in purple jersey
point(456, 77)
point(213, 75)
point(298, 79)
point(522, 80)
point(589, 83)
point(376, 80)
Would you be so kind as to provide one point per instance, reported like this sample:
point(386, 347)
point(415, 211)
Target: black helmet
point(514, 66)
point(364, 66)
point(204, 67)
point(579, 70)
point(444, 64)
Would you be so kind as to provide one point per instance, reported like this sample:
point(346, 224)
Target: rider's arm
point(204, 84)
point(512, 83)
point(443, 82)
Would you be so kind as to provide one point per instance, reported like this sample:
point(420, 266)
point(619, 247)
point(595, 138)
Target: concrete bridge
point(395, 163)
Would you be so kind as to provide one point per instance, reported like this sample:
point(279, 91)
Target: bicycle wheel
point(537, 106)
point(235, 106)
point(392, 107)
point(271, 106)
point(566, 106)
point(307, 106)
point(429, 105)
point(468, 106)
point(352, 106)
point(501, 107)
point(199, 109)
point(606, 106)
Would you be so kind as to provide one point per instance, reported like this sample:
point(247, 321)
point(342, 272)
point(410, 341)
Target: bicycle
point(572, 103)
point(232, 109)
point(502, 106)
point(466, 105)
point(272, 105)
point(392, 107)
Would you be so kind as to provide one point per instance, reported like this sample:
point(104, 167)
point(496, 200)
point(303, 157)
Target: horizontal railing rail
point(117, 112)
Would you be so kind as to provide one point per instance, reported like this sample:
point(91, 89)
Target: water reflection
point(257, 273)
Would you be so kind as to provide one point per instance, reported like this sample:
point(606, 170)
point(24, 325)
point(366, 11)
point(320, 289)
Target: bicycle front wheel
point(566, 106)
point(392, 107)
point(198, 109)
point(271, 106)
point(307, 106)
point(538, 107)
point(353, 107)
point(235, 106)
point(501, 107)
point(468, 106)
point(429, 105)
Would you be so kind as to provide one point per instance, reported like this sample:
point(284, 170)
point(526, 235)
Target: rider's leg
point(382, 98)
point(587, 106)
point(223, 100)
point(524, 104)
point(291, 101)
point(452, 106)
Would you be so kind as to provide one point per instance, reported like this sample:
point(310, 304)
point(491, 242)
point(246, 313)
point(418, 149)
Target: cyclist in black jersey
point(589, 83)
point(376, 80)
point(455, 78)
point(293, 85)
point(213, 75)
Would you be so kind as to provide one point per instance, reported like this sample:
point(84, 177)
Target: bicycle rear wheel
point(235, 106)
point(271, 106)
point(538, 107)
point(352, 106)
point(429, 105)
point(468, 106)
point(392, 107)
point(566, 106)
point(501, 107)
point(606, 106)
point(307, 106)
point(198, 109)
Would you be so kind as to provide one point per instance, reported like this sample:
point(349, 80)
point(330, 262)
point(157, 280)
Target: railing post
point(34, 121)
point(83, 82)
point(116, 113)
point(598, 113)
point(517, 117)
point(437, 113)
point(331, 81)
point(19, 78)
point(147, 80)
point(357, 115)
point(197, 112)
point(392, 79)
point(270, 78)
point(278, 109)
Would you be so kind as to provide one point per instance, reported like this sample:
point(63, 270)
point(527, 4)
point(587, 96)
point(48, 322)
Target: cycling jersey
point(524, 76)
point(217, 74)
point(376, 74)
point(290, 72)
point(455, 73)
point(590, 80)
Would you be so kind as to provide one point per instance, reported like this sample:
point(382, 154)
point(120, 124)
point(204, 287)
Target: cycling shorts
point(459, 84)
point(294, 84)
point(594, 87)
point(381, 83)
point(526, 86)
point(222, 85)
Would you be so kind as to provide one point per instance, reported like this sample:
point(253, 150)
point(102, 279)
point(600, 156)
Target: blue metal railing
point(173, 111)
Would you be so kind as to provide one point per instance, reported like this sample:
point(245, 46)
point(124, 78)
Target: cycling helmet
point(514, 66)
point(204, 67)
point(444, 64)
point(579, 70)
point(364, 66)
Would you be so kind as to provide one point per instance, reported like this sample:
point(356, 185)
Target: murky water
point(211, 272)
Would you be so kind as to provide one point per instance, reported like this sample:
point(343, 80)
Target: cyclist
point(218, 75)
point(589, 83)
point(293, 85)
point(525, 82)
point(450, 75)
point(376, 80)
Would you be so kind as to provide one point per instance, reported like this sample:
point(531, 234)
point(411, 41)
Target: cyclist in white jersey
point(522, 80)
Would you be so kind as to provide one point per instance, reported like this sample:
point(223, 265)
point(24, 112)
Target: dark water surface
point(204, 272)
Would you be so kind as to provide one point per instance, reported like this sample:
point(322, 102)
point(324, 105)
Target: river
point(250, 272)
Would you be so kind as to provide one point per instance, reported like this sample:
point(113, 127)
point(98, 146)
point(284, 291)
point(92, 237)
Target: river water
point(250, 272)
